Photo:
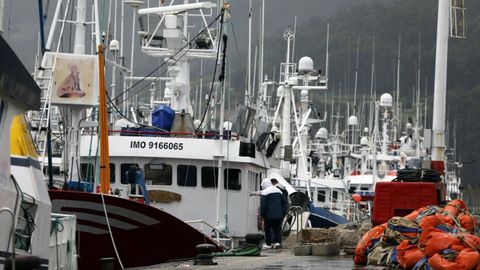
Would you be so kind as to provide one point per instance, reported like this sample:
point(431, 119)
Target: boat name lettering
point(156, 145)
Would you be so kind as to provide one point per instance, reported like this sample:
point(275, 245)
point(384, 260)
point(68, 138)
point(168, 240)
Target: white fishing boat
point(200, 172)
point(30, 236)
point(298, 160)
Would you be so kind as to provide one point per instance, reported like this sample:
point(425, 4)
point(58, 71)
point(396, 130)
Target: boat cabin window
point(321, 196)
point(158, 174)
point(232, 179)
point(335, 195)
point(187, 176)
point(88, 172)
point(124, 167)
point(258, 181)
point(253, 182)
point(209, 177)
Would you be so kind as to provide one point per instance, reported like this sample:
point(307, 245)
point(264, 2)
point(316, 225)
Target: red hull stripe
point(97, 207)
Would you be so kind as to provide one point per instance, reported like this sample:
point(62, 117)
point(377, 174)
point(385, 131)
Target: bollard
point(107, 263)
point(204, 256)
point(254, 238)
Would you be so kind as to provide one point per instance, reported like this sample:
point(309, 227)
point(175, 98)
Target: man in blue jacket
point(273, 208)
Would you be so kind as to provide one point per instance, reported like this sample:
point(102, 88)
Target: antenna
point(356, 78)
point(372, 84)
point(327, 53)
point(398, 126)
point(249, 60)
point(294, 39)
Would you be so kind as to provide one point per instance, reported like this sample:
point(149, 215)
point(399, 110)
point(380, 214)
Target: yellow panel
point(21, 143)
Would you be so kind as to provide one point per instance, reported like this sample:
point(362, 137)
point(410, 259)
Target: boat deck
point(270, 259)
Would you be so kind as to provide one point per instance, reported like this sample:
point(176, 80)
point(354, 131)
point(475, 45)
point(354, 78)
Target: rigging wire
point(70, 27)
point(126, 118)
point(170, 58)
point(238, 51)
point(156, 78)
point(111, 101)
point(214, 72)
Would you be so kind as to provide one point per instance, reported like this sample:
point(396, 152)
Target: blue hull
point(322, 218)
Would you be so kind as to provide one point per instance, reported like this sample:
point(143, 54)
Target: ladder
point(41, 119)
point(457, 19)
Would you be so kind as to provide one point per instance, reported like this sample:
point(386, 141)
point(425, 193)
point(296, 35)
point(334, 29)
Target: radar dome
point(364, 141)
point(196, 123)
point(322, 133)
point(305, 64)
point(352, 120)
point(114, 45)
point(386, 100)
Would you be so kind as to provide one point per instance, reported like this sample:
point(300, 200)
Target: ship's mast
point(439, 99)
point(286, 113)
point(74, 113)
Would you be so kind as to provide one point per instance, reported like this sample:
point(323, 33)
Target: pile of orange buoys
point(428, 238)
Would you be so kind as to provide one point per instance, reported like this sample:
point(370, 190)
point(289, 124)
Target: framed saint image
point(74, 79)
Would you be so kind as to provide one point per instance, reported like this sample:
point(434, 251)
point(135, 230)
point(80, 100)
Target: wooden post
point(103, 125)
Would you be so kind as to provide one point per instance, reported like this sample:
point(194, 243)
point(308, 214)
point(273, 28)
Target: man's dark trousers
point(275, 226)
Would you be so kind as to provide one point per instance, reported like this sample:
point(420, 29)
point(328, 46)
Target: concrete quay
point(271, 259)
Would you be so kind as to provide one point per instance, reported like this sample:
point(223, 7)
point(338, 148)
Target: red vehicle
point(406, 194)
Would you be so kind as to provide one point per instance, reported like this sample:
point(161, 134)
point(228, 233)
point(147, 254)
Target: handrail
point(209, 135)
point(12, 233)
point(218, 232)
point(299, 213)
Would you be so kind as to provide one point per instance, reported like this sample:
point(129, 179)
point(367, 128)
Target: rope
point(110, 232)
point(453, 218)
point(468, 243)
point(247, 250)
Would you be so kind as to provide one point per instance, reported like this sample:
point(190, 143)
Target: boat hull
point(143, 235)
point(322, 218)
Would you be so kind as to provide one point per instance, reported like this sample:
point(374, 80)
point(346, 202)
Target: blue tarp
point(162, 117)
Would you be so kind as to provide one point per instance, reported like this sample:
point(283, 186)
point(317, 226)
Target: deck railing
point(204, 227)
point(155, 133)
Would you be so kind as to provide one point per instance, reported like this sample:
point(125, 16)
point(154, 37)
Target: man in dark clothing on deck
point(282, 188)
point(273, 207)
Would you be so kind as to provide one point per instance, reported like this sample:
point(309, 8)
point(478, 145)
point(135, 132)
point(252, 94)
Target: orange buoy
point(408, 255)
point(468, 222)
point(366, 242)
point(466, 259)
